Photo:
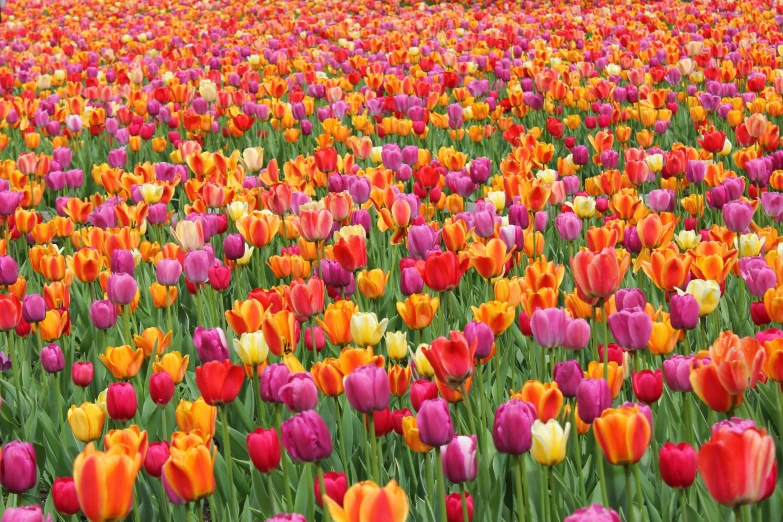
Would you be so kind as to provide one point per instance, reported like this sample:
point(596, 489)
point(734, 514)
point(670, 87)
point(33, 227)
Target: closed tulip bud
point(306, 437)
point(511, 431)
point(82, 373)
point(628, 298)
point(568, 226)
point(103, 314)
point(484, 337)
point(219, 277)
point(66, 502)
point(289, 517)
point(678, 464)
point(550, 441)
point(623, 434)
point(86, 421)
point(121, 289)
point(593, 397)
point(18, 467)
point(275, 376)
point(434, 423)
point(299, 393)
point(396, 345)
point(737, 215)
point(168, 271)
point(336, 485)
point(396, 419)
point(9, 270)
point(156, 457)
point(647, 385)
point(684, 312)
point(577, 334)
point(593, 513)
point(263, 446)
point(677, 372)
point(410, 281)
point(211, 344)
point(122, 262)
point(549, 327)
point(219, 381)
point(161, 388)
point(367, 389)
point(196, 266)
point(422, 390)
point(121, 401)
point(52, 359)
point(33, 308)
point(459, 459)
point(454, 512)
point(32, 513)
point(631, 328)
point(234, 246)
point(568, 375)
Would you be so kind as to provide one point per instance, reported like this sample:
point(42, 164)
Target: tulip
point(598, 275)
point(678, 464)
point(549, 442)
point(368, 501)
point(577, 334)
point(366, 330)
point(156, 457)
point(263, 446)
point(27, 514)
point(307, 299)
point(451, 359)
point(336, 485)
point(676, 373)
point(568, 375)
point(121, 401)
point(299, 393)
point(9, 270)
point(367, 389)
point(623, 434)
point(219, 382)
point(252, 348)
point(684, 312)
point(647, 385)
point(396, 345)
point(121, 289)
point(288, 517)
point(52, 359)
point(275, 376)
point(593, 397)
point(161, 388)
point(64, 496)
point(442, 271)
point(593, 513)
point(549, 327)
point(122, 361)
point(422, 390)
point(86, 421)
point(631, 328)
point(483, 336)
point(211, 344)
point(738, 465)
point(33, 308)
point(104, 482)
point(412, 436)
point(188, 474)
point(167, 272)
point(512, 428)
point(196, 266)
point(737, 215)
point(418, 310)
point(434, 423)
point(18, 471)
point(459, 459)
point(327, 376)
point(196, 415)
point(103, 314)
point(306, 437)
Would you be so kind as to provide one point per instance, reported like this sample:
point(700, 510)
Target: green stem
point(684, 505)
point(638, 477)
point(270, 490)
point(471, 420)
point(376, 476)
point(188, 511)
point(606, 344)
point(163, 505)
point(339, 420)
point(599, 458)
point(200, 510)
point(465, 517)
point(543, 491)
point(136, 515)
point(518, 485)
point(428, 474)
point(168, 311)
point(16, 364)
point(779, 408)
point(578, 454)
point(629, 516)
point(232, 507)
point(284, 462)
point(320, 473)
point(552, 497)
point(199, 312)
point(126, 311)
point(257, 395)
point(686, 400)
point(164, 424)
point(441, 486)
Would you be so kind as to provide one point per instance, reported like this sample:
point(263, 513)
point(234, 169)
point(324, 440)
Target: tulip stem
point(606, 346)
point(684, 504)
point(578, 451)
point(60, 416)
point(126, 324)
point(543, 491)
point(320, 473)
point(465, 517)
point(599, 458)
point(136, 515)
point(552, 496)
point(482, 398)
point(232, 507)
point(168, 310)
point(639, 493)
point(188, 512)
point(629, 517)
point(199, 312)
point(17, 367)
point(256, 380)
point(270, 490)
point(283, 461)
point(441, 485)
point(163, 507)
point(374, 447)
point(339, 420)
point(780, 410)
point(521, 489)
point(164, 424)
point(686, 405)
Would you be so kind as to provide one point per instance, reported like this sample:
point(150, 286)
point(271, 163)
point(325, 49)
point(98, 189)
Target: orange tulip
point(196, 415)
point(132, 440)
point(399, 379)
point(163, 296)
point(328, 377)
point(190, 472)
point(614, 375)
point(773, 365)
point(337, 322)
point(739, 361)
point(623, 434)
point(55, 325)
point(667, 269)
point(546, 397)
point(104, 482)
point(152, 340)
point(352, 358)
point(598, 275)
point(368, 501)
point(372, 283)
point(600, 238)
point(410, 433)
point(53, 267)
point(258, 228)
point(544, 274)
point(279, 332)
point(172, 363)
point(122, 361)
point(707, 386)
point(451, 359)
point(495, 314)
point(245, 316)
point(712, 260)
point(418, 310)
point(773, 303)
point(510, 290)
point(489, 260)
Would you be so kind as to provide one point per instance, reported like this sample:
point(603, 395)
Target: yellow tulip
point(86, 421)
point(550, 441)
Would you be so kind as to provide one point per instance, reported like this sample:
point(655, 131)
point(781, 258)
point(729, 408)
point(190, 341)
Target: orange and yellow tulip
point(104, 482)
point(623, 434)
point(418, 310)
point(368, 501)
point(122, 361)
point(546, 397)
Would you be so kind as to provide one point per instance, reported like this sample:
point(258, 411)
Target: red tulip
point(442, 271)
point(678, 463)
point(219, 382)
point(648, 385)
point(263, 446)
point(64, 496)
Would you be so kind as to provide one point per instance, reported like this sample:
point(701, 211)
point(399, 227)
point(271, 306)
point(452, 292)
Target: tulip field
point(388, 261)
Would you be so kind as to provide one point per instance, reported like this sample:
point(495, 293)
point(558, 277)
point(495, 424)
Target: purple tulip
point(299, 393)
point(518, 215)
point(684, 312)
point(511, 430)
point(422, 239)
point(52, 358)
point(306, 437)
point(121, 289)
point(737, 215)
point(391, 155)
point(482, 334)
point(459, 459)
point(122, 262)
point(167, 272)
point(434, 422)
point(593, 513)
point(367, 389)
point(577, 334)
point(274, 377)
point(26, 514)
point(211, 344)
point(772, 203)
point(568, 226)
point(9, 270)
point(103, 314)
point(234, 246)
point(677, 372)
point(631, 328)
point(628, 298)
point(196, 265)
point(549, 327)
point(568, 374)
point(9, 201)
point(662, 200)
point(592, 397)
point(757, 274)
point(33, 308)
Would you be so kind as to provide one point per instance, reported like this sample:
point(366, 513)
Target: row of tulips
point(381, 261)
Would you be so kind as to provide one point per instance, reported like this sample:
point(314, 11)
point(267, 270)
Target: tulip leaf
point(304, 491)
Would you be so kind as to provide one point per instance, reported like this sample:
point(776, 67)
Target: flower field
point(380, 261)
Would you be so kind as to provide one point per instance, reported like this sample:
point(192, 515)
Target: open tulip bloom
point(441, 262)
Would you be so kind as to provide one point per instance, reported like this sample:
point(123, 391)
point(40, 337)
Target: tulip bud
point(234, 246)
point(314, 338)
point(52, 358)
point(66, 502)
point(18, 467)
point(263, 446)
point(33, 308)
point(161, 388)
point(122, 262)
point(121, 289)
point(568, 375)
point(157, 455)
point(299, 393)
point(336, 485)
point(678, 464)
point(367, 389)
point(454, 511)
point(434, 423)
point(121, 401)
point(484, 337)
point(684, 312)
point(647, 385)
point(275, 376)
point(306, 437)
point(677, 371)
point(196, 266)
point(82, 373)
point(9, 268)
point(422, 390)
point(103, 314)
point(168, 271)
point(593, 397)
point(459, 459)
point(511, 431)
